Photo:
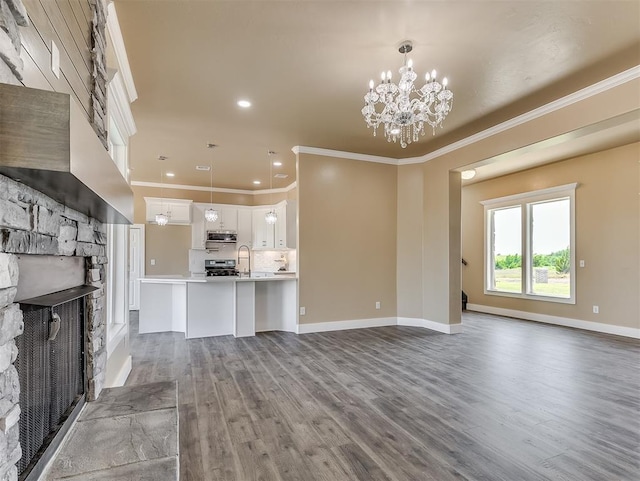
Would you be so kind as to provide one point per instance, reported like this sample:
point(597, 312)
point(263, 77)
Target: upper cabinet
point(285, 234)
point(227, 218)
point(178, 210)
point(282, 235)
point(249, 223)
point(234, 218)
point(197, 226)
point(263, 233)
point(245, 227)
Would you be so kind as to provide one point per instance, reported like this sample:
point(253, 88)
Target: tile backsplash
point(261, 261)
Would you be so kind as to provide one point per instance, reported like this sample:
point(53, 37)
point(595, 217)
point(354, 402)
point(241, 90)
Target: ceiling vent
point(205, 168)
point(281, 176)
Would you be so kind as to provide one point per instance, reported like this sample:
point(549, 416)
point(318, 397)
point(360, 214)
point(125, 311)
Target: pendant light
point(162, 218)
point(210, 214)
point(271, 217)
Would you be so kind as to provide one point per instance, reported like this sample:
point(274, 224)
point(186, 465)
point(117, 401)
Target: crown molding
point(159, 185)
point(301, 149)
point(113, 26)
point(585, 93)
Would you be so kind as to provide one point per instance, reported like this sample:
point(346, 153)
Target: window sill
point(531, 297)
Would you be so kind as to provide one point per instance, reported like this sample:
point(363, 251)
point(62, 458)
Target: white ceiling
point(305, 66)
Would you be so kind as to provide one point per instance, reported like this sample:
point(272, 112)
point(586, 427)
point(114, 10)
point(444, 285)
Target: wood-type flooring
point(506, 400)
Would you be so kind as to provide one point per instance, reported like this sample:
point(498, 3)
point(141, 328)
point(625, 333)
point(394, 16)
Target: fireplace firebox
point(52, 370)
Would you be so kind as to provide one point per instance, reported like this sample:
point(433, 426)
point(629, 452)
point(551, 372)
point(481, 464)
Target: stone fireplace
point(33, 224)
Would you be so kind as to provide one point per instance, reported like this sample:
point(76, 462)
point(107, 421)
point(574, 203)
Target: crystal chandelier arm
point(404, 107)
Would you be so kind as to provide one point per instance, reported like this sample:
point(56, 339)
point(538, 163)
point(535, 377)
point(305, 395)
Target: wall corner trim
point(113, 26)
point(432, 325)
point(558, 321)
point(123, 373)
point(121, 108)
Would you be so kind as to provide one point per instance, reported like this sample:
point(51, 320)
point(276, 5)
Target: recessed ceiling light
point(277, 164)
point(256, 182)
point(245, 104)
point(468, 174)
point(170, 174)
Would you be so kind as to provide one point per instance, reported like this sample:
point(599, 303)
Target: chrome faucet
point(248, 257)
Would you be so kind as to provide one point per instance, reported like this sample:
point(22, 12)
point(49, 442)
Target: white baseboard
point(427, 324)
point(343, 325)
point(379, 322)
point(123, 374)
point(558, 321)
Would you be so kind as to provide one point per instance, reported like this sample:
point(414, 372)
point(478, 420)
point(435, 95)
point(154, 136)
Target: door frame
point(141, 261)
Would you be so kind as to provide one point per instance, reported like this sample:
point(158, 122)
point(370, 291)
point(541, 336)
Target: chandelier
point(210, 214)
point(404, 109)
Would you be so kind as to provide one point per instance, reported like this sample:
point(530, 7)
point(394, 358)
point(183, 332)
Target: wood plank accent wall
point(68, 24)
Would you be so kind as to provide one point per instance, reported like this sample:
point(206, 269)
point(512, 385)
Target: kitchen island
point(218, 306)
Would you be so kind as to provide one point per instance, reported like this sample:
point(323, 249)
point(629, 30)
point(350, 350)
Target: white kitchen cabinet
point(197, 226)
point(178, 210)
point(245, 228)
point(285, 234)
point(263, 233)
point(227, 218)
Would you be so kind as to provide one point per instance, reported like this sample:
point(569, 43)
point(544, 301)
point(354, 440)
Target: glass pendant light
point(271, 217)
point(210, 214)
point(162, 218)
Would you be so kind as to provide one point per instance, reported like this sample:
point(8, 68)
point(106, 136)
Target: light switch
point(581, 263)
point(153, 262)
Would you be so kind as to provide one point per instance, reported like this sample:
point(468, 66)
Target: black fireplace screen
point(51, 372)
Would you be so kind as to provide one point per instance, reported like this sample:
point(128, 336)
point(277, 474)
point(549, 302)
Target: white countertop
point(177, 279)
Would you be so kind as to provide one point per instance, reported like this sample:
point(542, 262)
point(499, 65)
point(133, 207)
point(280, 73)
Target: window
point(529, 245)
point(117, 308)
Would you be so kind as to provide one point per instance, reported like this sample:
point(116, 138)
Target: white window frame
point(524, 201)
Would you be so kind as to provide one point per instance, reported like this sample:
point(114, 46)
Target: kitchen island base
point(202, 307)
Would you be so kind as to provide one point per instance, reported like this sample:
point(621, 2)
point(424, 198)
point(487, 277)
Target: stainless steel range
point(220, 267)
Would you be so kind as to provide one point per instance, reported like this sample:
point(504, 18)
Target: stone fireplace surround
point(32, 223)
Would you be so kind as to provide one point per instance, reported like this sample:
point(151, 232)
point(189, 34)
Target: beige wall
point(409, 240)
point(347, 239)
point(169, 245)
point(440, 202)
point(607, 235)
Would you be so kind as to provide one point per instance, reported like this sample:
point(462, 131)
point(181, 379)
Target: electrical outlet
point(581, 263)
point(596, 310)
point(303, 311)
point(153, 262)
point(377, 304)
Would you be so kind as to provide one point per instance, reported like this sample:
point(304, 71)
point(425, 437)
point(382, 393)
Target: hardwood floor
point(506, 400)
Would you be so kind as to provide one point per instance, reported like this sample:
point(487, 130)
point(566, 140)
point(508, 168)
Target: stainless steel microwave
point(221, 237)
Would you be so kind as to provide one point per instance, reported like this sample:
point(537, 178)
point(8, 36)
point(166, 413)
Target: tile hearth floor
point(128, 434)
